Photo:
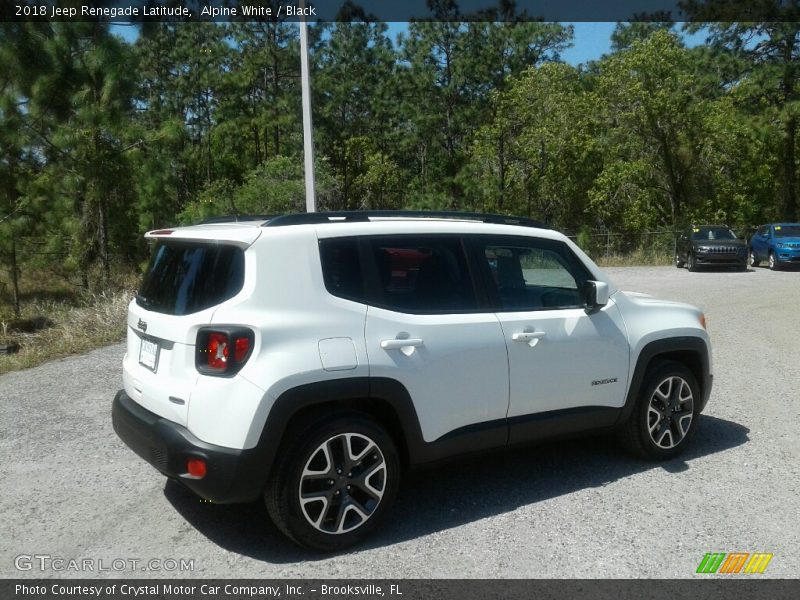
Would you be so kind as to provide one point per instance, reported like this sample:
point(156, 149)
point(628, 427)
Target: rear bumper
point(232, 475)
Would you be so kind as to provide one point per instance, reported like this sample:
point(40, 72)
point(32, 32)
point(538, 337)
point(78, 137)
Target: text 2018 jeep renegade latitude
point(309, 359)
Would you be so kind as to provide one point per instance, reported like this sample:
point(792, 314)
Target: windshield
point(712, 233)
point(782, 231)
point(184, 278)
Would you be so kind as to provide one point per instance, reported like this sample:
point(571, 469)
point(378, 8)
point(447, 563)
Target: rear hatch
point(192, 271)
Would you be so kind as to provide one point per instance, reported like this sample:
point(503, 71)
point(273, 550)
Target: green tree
point(769, 53)
point(354, 87)
point(548, 156)
point(652, 116)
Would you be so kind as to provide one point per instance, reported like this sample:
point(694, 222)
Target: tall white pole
point(308, 129)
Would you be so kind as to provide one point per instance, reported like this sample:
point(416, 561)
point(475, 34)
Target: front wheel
point(774, 265)
point(752, 259)
point(665, 415)
point(691, 263)
point(334, 483)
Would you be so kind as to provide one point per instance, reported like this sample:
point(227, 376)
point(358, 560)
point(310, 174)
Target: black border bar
point(739, 587)
point(401, 10)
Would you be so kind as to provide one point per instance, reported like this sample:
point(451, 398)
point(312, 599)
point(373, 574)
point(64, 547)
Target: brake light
point(217, 351)
point(196, 467)
point(242, 348)
point(223, 350)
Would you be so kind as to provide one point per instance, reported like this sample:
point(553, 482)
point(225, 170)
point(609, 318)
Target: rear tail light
point(196, 468)
point(223, 350)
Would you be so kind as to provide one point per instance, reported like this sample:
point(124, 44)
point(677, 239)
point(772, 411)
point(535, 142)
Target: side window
point(341, 268)
point(422, 274)
point(762, 230)
point(534, 275)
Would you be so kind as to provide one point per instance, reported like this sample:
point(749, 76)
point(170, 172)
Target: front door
point(563, 362)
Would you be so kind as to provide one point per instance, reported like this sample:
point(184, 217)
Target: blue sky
point(590, 42)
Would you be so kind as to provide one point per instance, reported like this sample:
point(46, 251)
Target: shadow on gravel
point(458, 493)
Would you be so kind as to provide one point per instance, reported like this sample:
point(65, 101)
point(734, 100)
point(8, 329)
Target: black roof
point(366, 215)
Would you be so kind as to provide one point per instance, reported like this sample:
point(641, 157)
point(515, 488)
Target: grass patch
point(638, 258)
point(61, 321)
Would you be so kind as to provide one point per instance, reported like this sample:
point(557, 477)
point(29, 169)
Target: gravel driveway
point(72, 490)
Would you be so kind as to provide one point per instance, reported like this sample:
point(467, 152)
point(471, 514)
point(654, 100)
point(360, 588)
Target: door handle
point(406, 343)
point(527, 336)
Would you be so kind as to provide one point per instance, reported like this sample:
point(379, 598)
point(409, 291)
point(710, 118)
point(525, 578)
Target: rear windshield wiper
point(142, 301)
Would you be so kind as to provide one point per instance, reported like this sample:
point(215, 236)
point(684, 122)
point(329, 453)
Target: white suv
point(312, 358)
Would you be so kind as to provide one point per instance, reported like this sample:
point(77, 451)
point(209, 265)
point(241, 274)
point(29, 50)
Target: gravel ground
point(581, 509)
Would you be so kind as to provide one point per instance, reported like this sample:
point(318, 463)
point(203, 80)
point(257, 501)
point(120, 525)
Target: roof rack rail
point(350, 216)
point(234, 219)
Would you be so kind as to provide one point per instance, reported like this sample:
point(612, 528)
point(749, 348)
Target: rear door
point(565, 366)
point(428, 328)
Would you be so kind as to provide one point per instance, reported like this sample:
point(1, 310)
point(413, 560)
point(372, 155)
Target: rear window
point(423, 275)
point(185, 278)
point(341, 268)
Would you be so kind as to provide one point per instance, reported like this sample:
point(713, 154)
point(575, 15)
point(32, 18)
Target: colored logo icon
point(734, 562)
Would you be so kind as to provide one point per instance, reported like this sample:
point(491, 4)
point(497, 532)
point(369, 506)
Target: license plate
point(148, 354)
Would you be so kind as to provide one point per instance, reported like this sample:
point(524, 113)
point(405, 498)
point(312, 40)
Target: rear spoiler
point(213, 233)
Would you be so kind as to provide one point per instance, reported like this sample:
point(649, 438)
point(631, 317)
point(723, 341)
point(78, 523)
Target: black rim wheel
point(343, 483)
point(670, 412)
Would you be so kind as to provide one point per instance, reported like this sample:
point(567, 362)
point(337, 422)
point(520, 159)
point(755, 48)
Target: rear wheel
point(678, 262)
point(665, 415)
point(752, 259)
point(334, 483)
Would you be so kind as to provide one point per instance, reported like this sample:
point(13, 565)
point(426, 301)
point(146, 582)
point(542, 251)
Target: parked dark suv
point(710, 246)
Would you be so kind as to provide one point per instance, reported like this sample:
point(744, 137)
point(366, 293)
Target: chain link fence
point(626, 247)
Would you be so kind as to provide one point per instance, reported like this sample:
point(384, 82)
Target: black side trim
point(561, 423)
point(388, 398)
point(676, 348)
point(297, 399)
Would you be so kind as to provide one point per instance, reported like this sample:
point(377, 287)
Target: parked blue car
point(776, 243)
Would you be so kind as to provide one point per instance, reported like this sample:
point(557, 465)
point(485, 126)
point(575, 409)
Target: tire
point(655, 429)
point(774, 263)
point(690, 263)
point(678, 262)
point(316, 462)
point(754, 262)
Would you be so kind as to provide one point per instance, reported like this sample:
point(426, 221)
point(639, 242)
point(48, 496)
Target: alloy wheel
point(342, 483)
point(670, 412)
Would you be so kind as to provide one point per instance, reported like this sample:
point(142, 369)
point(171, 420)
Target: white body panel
point(648, 319)
point(555, 370)
point(456, 374)
point(456, 371)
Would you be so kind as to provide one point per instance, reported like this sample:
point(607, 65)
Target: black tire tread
point(297, 440)
point(631, 435)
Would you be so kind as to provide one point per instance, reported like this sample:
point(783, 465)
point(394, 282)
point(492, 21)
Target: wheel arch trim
point(692, 351)
point(372, 395)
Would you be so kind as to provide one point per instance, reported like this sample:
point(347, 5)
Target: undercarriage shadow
point(436, 500)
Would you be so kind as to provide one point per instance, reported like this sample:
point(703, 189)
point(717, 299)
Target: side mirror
point(595, 296)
